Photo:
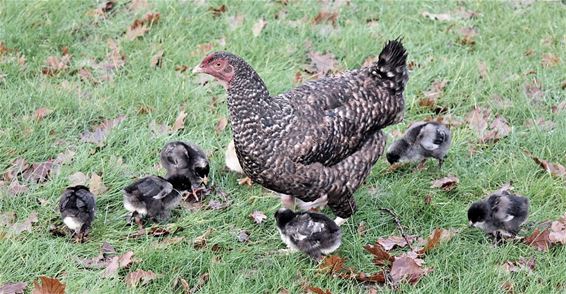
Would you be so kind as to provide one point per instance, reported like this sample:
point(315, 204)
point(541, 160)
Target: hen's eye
point(217, 64)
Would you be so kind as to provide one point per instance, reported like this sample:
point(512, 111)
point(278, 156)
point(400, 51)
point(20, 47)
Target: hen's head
point(224, 66)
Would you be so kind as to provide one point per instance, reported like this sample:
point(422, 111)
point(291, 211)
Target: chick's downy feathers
point(319, 139)
point(77, 207)
point(151, 196)
point(312, 233)
point(421, 141)
point(501, 214)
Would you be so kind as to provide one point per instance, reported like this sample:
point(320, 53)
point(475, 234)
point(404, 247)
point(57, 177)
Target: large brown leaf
point(321, 64)
point(554, 169)
point(141, 26)
point(38, 172)
point(521, 264)
point(558, 231)
point(48, 286)
point(13, 288)
point(447, 184)
point(116, 263)
point(431, 96)
point(478, 120)
point(258, 217)
point(499, 129)
point(25, 225)
point(99, 134)
point(390, 242)
point(139, 276)
point(380, 256)
point(407, 268)
point(539, 240)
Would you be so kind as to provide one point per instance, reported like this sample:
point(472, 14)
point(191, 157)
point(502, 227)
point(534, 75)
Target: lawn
point(512, 63)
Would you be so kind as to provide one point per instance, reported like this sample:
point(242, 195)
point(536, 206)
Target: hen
point(320, 139)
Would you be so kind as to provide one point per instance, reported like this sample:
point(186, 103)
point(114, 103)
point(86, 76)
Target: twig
point(399, 225)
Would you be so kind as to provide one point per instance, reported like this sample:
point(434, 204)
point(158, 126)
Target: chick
point(312, 233)
point(151, 196)
point(501, 214)
point(421, 141)
point(77, 206)
point(187, 163)
point(233, 163)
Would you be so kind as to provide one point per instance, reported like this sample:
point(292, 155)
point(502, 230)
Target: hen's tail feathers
point(391, 67)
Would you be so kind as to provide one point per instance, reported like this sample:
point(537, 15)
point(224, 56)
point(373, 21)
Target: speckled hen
point(320, 139)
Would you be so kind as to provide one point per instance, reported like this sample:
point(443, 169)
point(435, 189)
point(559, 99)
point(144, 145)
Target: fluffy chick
point(421, 141)
point(151, 196)
point(501, 214)
point(312, 233)
point(77, 206)
point(187, 163)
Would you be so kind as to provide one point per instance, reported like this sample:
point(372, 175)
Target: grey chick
point(421, 141)
point(187, 163)
point(501, 214)
point(312, 233)
point(151, 196)
point(77, 206)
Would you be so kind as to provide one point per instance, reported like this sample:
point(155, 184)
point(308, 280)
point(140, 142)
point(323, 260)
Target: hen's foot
point(245, 181)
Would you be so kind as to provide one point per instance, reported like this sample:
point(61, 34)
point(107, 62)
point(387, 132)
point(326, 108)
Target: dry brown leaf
point(325, 16)
point(157, 59)
point(380, 256)
point(521, 264)
point(55, 65)
point(7, 218)
point(467, 35)
point(331, 264)
point(258, 217)
point(321, 64)
point(362, 230)
point(478, 119)
point(201, 240)
point(447, 184)
point(78, 178)
point(99, 133)
point(482, 68)
point(235, 21)
point(407, 268)
point(499, 129)
point(13, 288)
point(540, 122)
point(139, 276)
point(554, 169)
point(432, 95)
point(140, 26)
point(179, 121)
point(202, 279)
point(539, 240)
point(549, 59)
point(41, 113)
point(217, 11)
point(181, 68)
point(116, 263)
point(48, 286)
point(96, 185)
point(18, 166)
point(220, 125)
point(317, 290)
point(258, 27)
point(243, 236)
point(38, 172)
point(533, 90)
point(16, 188)
point(392, 241)
point(558, 231)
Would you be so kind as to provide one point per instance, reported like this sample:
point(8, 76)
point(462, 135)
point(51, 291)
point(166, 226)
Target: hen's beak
point(198, 69)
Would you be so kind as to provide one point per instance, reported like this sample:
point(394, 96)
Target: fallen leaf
point(55, 65)
point(48, 286)
point(134, 278)
point(321, 64)
point(202, 279)
point(467, 35)
point(217, 11)
point(540, 122)
point(533, 90)
point(406, 268)
point(482, 68)
point(41, 113)
point(559, 107)
point(447, 184)
point(508, 287)
point(520, 265)
point(184, 284)
point(17, 167)
point(96, 185)
point(16, 188)
point(558, 231)
point(554, 169)
point(478, 120)
point(141, 26)
point(437, 16)
point(235, 21)
point(25, 225)
point(392, 241)
point(179, 121)
point(181, 68)
point(258, 27)
point(137, 5)
point(500, 102)
point(243, 236)
point(317, 290)
point(326, 16)
point(432, 95)
point(258, 217)
point(331, 264)
point(499, 129)
point(157, 59)
point(99, 134)
point(13, 288)
point(78, 178)
point(38, 172)
point(362, 229)
point(220, 125)
point(428, 199)
point(539, 240)
point(7, 218)
point(201, 240)
point(116, 263)
point(380, 256)
point(549, 59)
point(114, 60)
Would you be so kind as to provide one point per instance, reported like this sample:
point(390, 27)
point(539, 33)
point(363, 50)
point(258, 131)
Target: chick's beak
point(198, 69)
point(205, 180)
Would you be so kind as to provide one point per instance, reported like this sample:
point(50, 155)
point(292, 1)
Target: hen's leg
point(340, 221)
point(319, 203)
point(287, 201)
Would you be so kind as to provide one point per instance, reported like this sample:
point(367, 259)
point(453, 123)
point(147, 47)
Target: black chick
point(501, 214)
point(187, 163)
point(312, 233)
point(151, 196)
point(421, 141)
point(77, 206)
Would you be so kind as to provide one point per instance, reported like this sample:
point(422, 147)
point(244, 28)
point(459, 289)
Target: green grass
point(467, 264)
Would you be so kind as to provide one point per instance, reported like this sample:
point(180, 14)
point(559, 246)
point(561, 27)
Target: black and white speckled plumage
point(312, 233)
point(152, 196)
point(421, 141)
point(501, 214)
point(321, 138)
point(186, 164)
point(77, 206)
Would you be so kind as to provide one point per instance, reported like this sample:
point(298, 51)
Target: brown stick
point(398, 224)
